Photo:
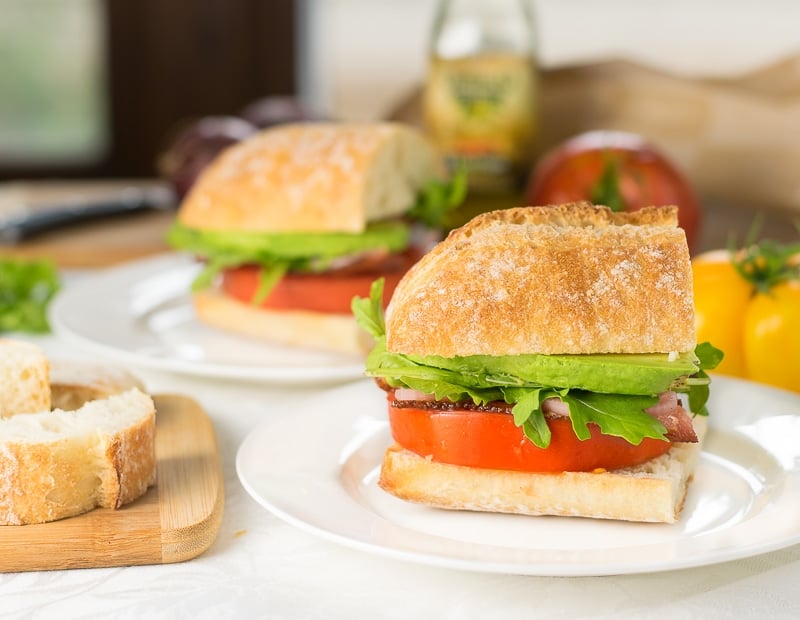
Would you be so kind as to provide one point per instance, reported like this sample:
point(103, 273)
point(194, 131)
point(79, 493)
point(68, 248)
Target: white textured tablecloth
point(260, 567)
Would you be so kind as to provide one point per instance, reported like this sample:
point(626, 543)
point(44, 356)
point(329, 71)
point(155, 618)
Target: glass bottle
point(481, 94)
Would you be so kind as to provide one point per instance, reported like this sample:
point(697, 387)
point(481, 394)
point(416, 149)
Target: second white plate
point(745, 498)
point(141, 314)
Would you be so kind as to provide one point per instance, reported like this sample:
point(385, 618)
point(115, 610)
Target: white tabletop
point(260, 566)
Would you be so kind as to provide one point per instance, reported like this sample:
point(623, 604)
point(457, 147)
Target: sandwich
point(543, 361)
point(294, 221)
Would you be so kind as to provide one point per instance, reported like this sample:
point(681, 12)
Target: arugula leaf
point(615, 414)
point(699, 394)
point(268, 278)
point(709, 356)
point(528, 414)
point(697, 386)
point(26, 288)
point(620, 415)
point(438, 198)
point(536, 429)
point(212, 268)
point(528, 401)
point(369, 312)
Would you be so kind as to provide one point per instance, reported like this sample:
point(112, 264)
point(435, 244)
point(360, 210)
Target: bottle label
point(481, 112)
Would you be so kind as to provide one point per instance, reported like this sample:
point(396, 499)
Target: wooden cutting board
point(102, 242)
point(97, 242)
point(175, 520)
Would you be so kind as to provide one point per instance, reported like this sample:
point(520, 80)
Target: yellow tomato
point(772, 336)
point(721, 297)
point(759, 331)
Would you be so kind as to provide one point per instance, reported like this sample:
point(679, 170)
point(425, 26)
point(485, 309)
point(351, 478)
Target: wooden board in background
point(102, 242)
point(176, 520)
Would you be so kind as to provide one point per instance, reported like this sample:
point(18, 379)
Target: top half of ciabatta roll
point(310, 177)
point(569, 279)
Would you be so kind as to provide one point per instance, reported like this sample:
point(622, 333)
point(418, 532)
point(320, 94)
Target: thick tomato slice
point(491, 441)
point(329, 292)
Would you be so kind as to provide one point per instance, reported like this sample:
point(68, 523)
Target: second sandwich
point(294, 221)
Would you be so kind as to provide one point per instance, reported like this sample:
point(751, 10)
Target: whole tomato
point(617, 169)
point(747, 303)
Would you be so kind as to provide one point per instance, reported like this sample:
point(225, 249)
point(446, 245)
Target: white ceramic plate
point(141, 314)
point(745, 498)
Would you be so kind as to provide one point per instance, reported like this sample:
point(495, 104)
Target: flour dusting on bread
point(572, 279)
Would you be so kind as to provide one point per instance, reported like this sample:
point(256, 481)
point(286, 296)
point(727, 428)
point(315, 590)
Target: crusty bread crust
point(297, 328)
point(312, 177)
point(24, 378)
point(63, 463)
point(569, 279)
point(652, 492)
point(571, 215)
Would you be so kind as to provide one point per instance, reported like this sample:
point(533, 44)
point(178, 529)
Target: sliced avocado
point(642, 374)
point(261, 247)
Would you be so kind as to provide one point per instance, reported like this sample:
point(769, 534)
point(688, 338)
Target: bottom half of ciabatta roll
point(654, 491)
point(57, 464)
point(316, 330)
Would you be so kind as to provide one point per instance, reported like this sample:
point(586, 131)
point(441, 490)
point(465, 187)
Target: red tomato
point(616, 169)
point(325, 292)
point(492, 441)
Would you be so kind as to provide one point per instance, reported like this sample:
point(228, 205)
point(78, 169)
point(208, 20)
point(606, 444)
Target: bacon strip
point(669, 411)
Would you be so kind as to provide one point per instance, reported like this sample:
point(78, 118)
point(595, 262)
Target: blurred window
point(53, 95)
point(93, 88)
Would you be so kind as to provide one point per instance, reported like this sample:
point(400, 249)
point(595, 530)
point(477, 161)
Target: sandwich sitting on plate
point(297, 219)
point(543, 361)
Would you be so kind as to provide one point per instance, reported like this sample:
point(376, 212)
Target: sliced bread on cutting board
point(96, 449)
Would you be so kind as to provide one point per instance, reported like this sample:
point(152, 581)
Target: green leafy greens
point(277, 253)
point(26, 288)
point(438, 198)
point(518, 380)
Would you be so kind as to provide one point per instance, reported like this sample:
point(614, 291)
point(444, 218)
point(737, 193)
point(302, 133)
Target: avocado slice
point(278, 253)
point(636, 374)
point(288, 247)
